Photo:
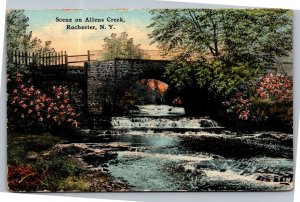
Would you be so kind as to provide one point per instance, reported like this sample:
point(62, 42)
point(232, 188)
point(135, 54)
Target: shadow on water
point(244, 146)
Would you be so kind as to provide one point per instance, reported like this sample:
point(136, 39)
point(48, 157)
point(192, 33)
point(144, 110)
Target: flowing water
point(166, 151)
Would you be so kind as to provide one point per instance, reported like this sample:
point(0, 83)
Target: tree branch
point(196, 23)
point(216, 39)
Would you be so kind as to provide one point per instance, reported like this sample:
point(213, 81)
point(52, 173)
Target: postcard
point(131, 100)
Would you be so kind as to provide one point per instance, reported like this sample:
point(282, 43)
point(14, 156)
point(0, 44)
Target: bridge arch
point(107, 80)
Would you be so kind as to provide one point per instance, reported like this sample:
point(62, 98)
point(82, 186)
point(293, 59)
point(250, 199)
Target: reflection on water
point(196, 160)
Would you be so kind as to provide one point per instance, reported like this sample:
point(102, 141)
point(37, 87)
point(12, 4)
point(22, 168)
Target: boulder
point(32, 156)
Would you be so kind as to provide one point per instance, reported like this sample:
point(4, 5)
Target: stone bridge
point(107, 80)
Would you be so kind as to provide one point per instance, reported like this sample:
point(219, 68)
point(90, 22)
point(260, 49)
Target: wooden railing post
point(33, 58)
point(62, 58)
point(89, 56)
point(22, 57)
point(46, 59)
point(39, 59)
point(26, 58)
point(58, 58)
point(50, 58)
point(19, 57)
point(66, 59)
point(55, 59)
point(43, 59)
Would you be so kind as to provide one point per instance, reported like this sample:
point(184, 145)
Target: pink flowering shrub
point(275, 88)
point(30, 107)
point(269, 98)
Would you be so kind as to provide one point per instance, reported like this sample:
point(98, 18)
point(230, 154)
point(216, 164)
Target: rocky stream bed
point(175, 153)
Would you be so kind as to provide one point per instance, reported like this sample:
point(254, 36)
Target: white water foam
point(214, 175)
point(160, 110)
point(165, 156)
point(162, 123)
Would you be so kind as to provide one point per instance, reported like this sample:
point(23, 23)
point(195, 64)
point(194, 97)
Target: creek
point(160, 149)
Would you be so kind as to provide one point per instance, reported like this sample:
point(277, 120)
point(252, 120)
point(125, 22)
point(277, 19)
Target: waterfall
point(162, 123)
point(161, 117)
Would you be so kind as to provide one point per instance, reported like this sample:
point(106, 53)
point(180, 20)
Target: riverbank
point(35, 163)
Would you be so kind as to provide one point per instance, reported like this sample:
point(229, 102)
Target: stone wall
point(107, 80)
point(99, 76)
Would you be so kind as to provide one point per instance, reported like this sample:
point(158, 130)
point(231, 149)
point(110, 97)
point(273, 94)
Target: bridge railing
point(50, 59)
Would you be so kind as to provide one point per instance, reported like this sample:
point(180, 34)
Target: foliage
point(182, 73)
point(67, 166)
point(19, 39)
point(57, 169)
point(268, 99)
point(74, 183)
point(128, 101)
point(121, 47)
point(20, 144)
point(215, 76)
point(232, 35)
point(23, 178)
point(16, 25)
point(48, 172)
point(30, 107)
point(275, 88)
point(219, 50)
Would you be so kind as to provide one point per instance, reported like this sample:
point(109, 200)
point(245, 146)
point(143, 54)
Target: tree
point(218, 51)
point(18, 39)
point(233, 35)
point(121, 47)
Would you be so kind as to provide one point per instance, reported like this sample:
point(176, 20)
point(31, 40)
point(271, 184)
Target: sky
point(43, 25)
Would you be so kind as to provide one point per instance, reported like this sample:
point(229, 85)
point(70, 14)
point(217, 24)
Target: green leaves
point(218, 77)
point(223, 49)
point(16, 25)
point(121, 47)
point(181, 73)
point(18, 38)
point(235, 35)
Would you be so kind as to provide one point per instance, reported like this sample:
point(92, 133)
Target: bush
point(127, 102)
point(47, 172)
point(61, 166)
point(23, 178)
point(268, 100)
point(58, 168)
point(29, 107)
point(216, 76)
point(18, 145)
point(74, 184)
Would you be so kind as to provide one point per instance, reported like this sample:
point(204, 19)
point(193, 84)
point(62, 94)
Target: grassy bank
point(32, 166)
